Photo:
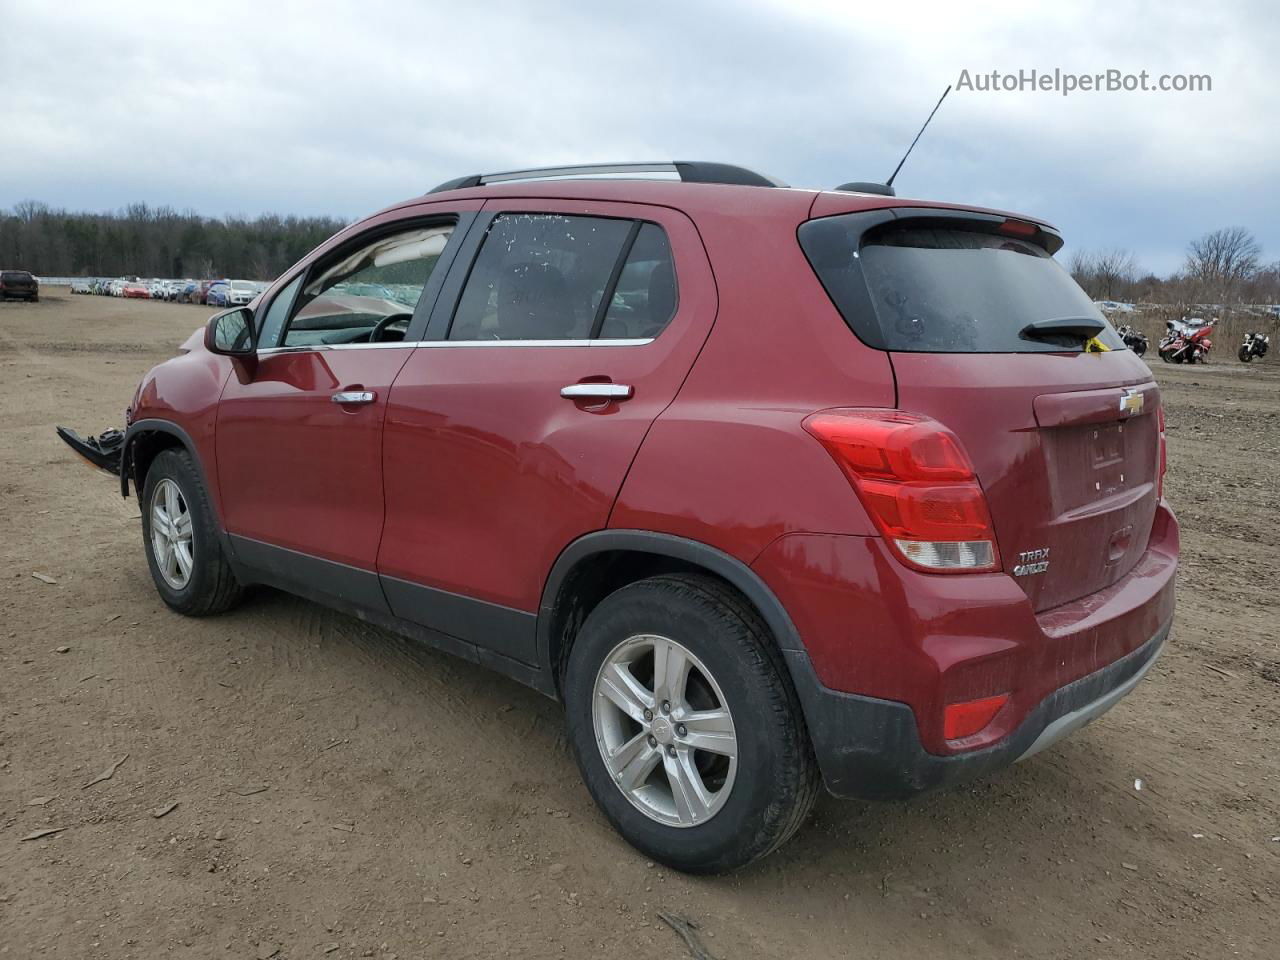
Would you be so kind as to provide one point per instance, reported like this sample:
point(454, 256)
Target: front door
point(299, 429)
point(509, 432)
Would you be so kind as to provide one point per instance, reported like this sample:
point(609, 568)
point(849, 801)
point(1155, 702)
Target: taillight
point(1163, 465)
point(917, 483)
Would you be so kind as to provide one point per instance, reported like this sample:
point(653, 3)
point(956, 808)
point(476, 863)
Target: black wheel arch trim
point(162, 426)
point(710, 558)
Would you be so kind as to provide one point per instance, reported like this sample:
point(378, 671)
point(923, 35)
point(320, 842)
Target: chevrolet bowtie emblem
point(1131, 402)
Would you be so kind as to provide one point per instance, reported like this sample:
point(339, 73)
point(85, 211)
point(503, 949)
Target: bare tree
point(1104, 275)
point(1221, 262)
point(1114, 271)
point(1080, 266)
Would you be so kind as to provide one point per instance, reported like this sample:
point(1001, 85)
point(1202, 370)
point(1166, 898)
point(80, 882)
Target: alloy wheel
point(171, 534)
point(665, 731)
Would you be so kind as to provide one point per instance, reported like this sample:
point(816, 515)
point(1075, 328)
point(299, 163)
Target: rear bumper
point(883, 650)
point(871, 749)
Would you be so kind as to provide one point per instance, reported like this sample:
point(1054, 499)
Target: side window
point(370, 294)
point(644, 300)
point(273, 319)
point(539, 277)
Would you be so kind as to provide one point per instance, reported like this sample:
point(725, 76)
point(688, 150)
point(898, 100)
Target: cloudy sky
point(341, 108)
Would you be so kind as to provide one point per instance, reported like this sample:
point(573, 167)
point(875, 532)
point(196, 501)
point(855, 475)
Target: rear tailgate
point(1068, 470)
point(991, 338)
point(16, 281)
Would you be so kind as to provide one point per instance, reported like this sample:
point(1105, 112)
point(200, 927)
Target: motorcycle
point(1135, 340)
point(1255, 345)
point(1187, 341)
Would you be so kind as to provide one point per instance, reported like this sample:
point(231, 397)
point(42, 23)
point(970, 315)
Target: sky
point(342, 108)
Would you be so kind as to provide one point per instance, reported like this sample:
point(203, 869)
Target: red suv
point(771, 487)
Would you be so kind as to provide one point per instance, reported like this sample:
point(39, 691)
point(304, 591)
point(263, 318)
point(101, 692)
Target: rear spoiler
point(1041, 234)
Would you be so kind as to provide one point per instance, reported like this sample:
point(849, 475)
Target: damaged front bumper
point(103, 451)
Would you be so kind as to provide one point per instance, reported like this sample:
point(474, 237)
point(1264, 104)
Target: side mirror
point(230, 333)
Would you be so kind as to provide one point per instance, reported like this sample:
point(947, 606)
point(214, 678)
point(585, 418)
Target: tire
point(772, 780)
point(1245, 354)
point(209, 585)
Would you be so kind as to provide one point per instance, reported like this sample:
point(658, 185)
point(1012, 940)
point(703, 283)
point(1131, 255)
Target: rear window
point(928, 289)
point(15, 275)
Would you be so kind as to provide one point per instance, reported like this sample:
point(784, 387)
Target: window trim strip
point(431, 344)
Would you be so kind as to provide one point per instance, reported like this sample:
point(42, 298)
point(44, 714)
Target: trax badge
point(1037, 561)
point(1131, 403)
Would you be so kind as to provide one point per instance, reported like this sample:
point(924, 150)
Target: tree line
point(140, 240)
point(1222, 268)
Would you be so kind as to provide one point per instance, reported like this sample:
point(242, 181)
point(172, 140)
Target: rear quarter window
point(943, 289)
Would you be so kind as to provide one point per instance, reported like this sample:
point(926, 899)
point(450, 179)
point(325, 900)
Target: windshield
point(927, 289)
point(242, 285)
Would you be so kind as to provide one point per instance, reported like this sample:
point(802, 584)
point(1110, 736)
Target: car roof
point(694, 198)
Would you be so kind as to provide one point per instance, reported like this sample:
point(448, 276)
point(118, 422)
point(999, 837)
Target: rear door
point(1062, 430)
point(563, 330)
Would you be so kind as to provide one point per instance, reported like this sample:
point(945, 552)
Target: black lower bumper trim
point(870, 749)
point(102, 451)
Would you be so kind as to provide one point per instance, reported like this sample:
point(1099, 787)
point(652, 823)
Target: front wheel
point(686, 727)
point(1245, 354)
point(184, 551)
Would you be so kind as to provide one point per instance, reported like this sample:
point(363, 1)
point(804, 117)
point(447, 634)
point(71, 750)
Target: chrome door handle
point(353, 396)
point(596, 391)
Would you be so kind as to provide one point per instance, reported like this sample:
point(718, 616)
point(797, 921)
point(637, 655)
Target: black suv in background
point(19, 285)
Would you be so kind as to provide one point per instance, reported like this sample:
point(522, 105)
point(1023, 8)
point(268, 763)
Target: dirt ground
point(343, 793)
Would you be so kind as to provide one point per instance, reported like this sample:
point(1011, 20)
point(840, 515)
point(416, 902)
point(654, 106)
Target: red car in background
point(771, 487)
point(135, 291)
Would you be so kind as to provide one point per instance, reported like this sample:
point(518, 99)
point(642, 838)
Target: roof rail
point(690, 171)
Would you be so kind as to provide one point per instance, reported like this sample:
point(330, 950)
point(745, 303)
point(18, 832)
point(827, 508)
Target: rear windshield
point(16, 275)
point(926, 289)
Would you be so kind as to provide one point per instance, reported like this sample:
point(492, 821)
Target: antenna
point(889, 182)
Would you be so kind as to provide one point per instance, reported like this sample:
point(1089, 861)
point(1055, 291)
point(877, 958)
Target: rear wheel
point(685, 726)
point(184, 551)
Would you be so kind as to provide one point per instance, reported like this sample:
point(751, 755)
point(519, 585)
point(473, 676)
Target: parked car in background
point(135, 291)
point(218, 294)
point(240, 292)
point(19, 285)
point(157, 289)
point(907, 537)
point(81, 286)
